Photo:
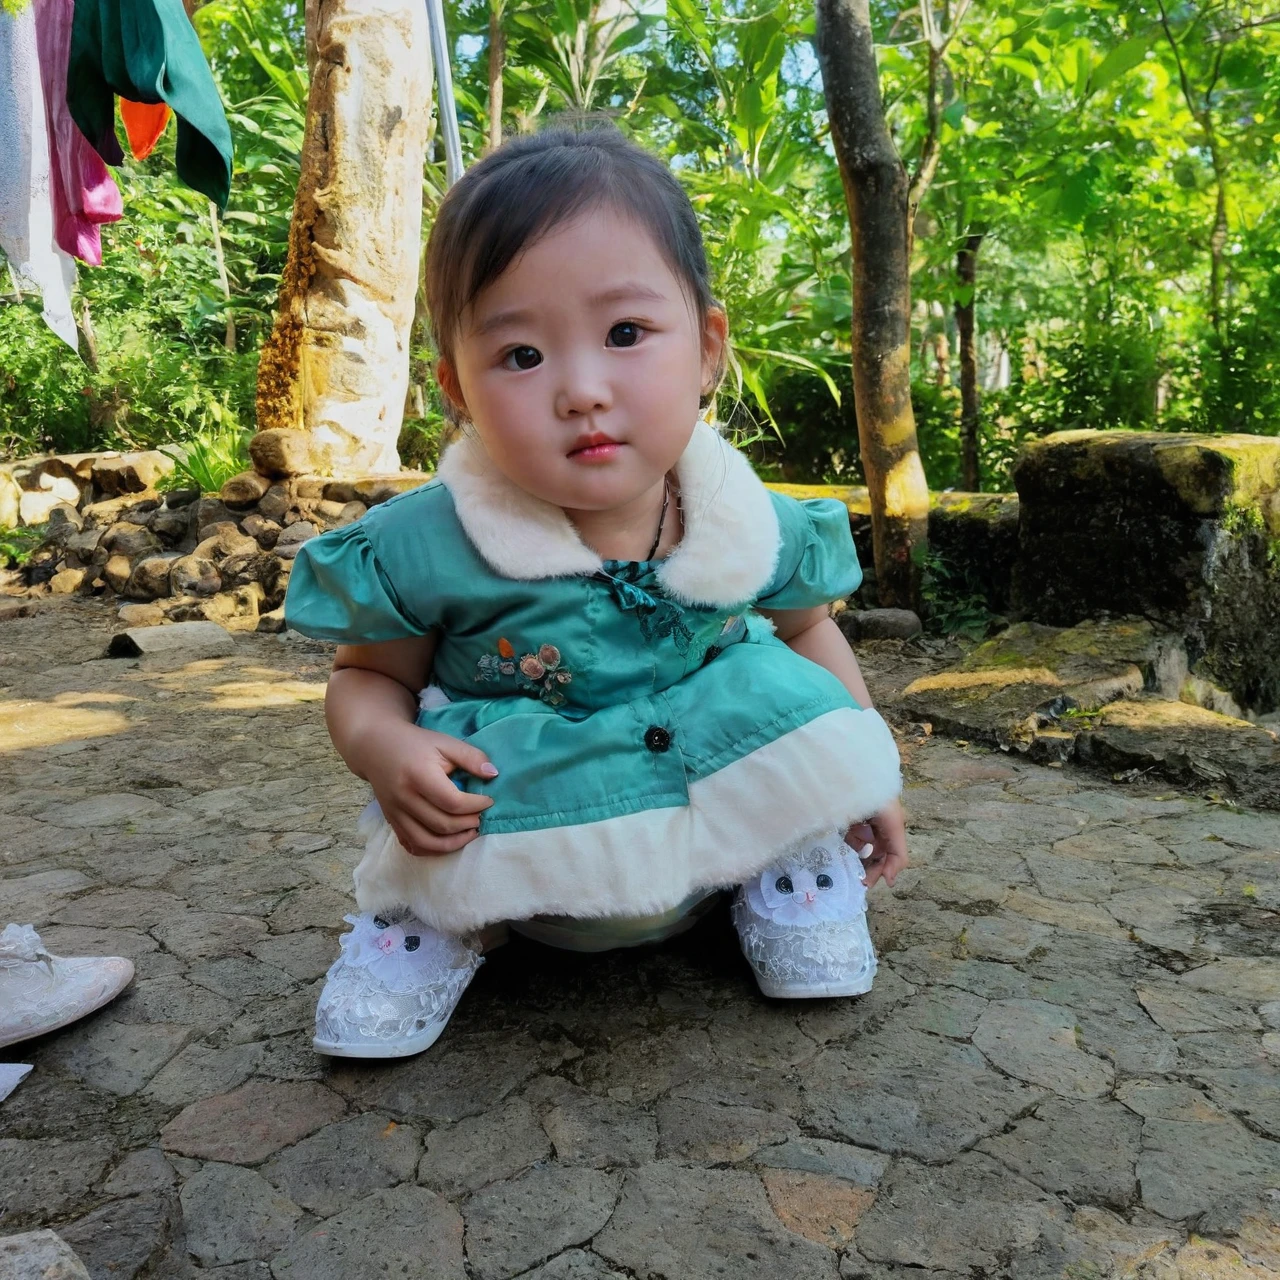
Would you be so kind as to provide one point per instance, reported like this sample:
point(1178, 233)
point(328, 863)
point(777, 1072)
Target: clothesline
point(63, 65)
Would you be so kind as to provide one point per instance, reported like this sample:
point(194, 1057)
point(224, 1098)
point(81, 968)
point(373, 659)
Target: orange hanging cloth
point(143, 123)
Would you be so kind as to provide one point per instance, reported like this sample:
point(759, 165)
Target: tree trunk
point(337, 362)
point(229, 335)
point(497, 60)
point(966, 330)
point(876, 191)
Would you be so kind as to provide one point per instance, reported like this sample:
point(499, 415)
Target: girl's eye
point(783, 885)
point(825, 881)
point(624, 335)
point(523, 358)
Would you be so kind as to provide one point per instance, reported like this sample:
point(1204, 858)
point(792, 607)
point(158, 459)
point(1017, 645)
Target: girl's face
point(582, 365)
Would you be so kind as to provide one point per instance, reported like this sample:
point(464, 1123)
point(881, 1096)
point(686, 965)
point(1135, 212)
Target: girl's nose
point(583, 390)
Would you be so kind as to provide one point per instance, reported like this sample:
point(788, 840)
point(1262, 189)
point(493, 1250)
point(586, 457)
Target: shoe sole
point(814, 991)
point(406, 1048)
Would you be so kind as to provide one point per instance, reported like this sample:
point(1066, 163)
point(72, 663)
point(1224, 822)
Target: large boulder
point(1181, 529)
point(130, 472)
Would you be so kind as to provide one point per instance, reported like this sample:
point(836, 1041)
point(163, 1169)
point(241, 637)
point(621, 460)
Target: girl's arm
point(814, 635)
point(370, 708)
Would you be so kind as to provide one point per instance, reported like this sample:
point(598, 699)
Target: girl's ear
point(447, 378)
point(715, 337)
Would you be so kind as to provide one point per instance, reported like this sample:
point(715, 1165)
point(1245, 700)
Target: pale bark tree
point(879, 198)
point(337, 362)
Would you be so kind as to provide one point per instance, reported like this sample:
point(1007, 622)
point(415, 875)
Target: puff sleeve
point(817, 562)
point(340, 590)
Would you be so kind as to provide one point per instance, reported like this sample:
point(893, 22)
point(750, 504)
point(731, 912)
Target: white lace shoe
point(40, 992)
point(803, 925)
point(393, 988)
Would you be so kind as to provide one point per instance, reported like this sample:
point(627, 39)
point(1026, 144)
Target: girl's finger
point(438, 791)
point(434, 820)
point(464, 756)
point(420, 842)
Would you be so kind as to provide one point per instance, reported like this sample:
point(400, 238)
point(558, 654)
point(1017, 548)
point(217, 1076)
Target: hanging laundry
point(144, 122)
point(84, 193)
point(148, 51)
point(26, 207)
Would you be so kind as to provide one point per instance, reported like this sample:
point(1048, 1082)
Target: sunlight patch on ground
point(975, 679)
point(27, 725)
point(242, 695)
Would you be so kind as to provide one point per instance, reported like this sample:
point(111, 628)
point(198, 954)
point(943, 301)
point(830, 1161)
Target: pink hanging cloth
point(84, 193)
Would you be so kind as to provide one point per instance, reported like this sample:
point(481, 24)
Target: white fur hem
point(782, 797)
point(727, 555)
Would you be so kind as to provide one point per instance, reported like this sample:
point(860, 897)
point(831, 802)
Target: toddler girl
point(634, 694)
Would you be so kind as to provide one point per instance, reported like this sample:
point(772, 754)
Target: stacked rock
point(182, 556)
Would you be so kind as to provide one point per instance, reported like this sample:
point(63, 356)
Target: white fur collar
point(727, 555)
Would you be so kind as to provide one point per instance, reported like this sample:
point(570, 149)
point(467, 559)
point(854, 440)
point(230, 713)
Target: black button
point(657, 739)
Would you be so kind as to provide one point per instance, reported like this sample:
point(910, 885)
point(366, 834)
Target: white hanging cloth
point(26, 205)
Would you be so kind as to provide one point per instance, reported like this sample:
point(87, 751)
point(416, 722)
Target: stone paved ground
point(1066, 1068)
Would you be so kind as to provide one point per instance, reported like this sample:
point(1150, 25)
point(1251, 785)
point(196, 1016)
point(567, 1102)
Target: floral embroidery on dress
point(540, 675)
point(734, 630)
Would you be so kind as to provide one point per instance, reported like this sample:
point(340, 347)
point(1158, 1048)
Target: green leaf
point(953, 113)
point(1124, 57)
point(1023, 66)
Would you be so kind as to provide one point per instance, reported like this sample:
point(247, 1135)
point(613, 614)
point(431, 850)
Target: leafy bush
point(18, 545)
point(209, 458)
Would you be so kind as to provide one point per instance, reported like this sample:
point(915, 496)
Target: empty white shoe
point(40, 992)
point(803, 925)
point(393, 988)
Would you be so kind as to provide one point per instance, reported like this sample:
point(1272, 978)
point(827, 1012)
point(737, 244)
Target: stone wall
point(1182, 530)
point(179, 556)
point(975, 534)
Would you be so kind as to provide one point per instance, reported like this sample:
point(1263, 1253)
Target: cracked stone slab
point(1036, 1042)
point(200, 1071)
point(463, 1075)
point(1237, 977)
point(703, 1224)
point(1251, 1092)
point(906, 1092)
point(252, 1122)
point(858, 1165)
point(39, 1255)
point(235, 1215)
point(482, 1149)
point(1181, 1010)
point(514, 1225)
point(404, 1231)
point(601, 1132)
point(116, 1056)
point(970, 1213)
point(1186, 1169)
point(1098, 1243)
point(576, 1264)
point(344, 1162)
point(122, 1239)
point(43, 1178)
point(710, 1134)
point(824, 1210)
point(1085, 1150)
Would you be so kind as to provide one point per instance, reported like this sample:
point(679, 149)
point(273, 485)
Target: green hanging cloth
point(148, 51)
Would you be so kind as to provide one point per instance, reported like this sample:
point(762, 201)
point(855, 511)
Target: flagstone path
point(1067, 1067)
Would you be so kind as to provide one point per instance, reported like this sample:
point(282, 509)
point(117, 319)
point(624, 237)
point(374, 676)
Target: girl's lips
point(596, 447)
point(596, 452)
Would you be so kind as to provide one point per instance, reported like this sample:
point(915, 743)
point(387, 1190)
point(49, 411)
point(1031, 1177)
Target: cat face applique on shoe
point(393, 988)
point(803, 925)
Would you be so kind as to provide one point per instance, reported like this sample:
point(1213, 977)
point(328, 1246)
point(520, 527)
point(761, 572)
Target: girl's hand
point(886, 833)
point(409, 770)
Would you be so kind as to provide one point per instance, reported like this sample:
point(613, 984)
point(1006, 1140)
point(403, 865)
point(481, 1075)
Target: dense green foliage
point(1117, 161)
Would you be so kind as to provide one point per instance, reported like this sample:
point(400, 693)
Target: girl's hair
point(531, 184)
